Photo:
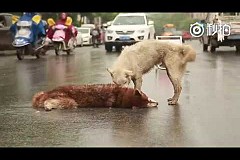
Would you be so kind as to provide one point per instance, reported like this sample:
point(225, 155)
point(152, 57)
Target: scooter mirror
point(36, 19)
point(50, 22)
point(68, 21)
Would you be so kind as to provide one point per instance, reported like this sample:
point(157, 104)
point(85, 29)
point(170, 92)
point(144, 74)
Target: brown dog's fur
point(99, 95)
point(140, 58)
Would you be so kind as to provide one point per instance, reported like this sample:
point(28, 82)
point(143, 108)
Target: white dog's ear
point(129, 73)
point(138, 92)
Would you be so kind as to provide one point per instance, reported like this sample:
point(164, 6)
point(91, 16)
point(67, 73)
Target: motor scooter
point(58, 39)
point(22, 41)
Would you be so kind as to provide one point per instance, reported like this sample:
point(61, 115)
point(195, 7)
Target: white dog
point(140, 58)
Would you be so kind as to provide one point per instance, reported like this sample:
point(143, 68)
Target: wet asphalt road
point(208, 113)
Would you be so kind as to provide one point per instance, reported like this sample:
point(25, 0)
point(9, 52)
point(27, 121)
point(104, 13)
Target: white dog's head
point(121, 77)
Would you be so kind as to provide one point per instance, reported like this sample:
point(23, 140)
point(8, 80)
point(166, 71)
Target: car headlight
point(141, 31)
point(109, 31)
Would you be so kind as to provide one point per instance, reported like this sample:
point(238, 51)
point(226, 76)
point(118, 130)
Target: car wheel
point(238, 49)
point(205, 47)
point(213, 43)
point(108, 47)
point(118, 48)
point(212, 49)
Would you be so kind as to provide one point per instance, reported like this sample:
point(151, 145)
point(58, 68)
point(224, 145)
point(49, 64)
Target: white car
point(127, 29)
point(86, 35)
point(79, 39)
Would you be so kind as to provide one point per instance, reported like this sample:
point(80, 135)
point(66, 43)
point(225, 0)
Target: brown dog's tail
point(36, 100)
point(189, 54)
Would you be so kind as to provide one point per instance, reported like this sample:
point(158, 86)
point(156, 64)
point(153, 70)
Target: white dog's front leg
point(137, 83)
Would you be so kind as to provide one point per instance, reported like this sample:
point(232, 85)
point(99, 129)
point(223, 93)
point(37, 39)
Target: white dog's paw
point(172, 102)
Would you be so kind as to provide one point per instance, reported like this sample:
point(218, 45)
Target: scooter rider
point(69, 31)
point(96, 35)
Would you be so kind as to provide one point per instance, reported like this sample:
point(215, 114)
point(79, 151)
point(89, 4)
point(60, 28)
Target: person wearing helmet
point(62, 18)
point(96, 34)
point(27, 16)
point(69, 32)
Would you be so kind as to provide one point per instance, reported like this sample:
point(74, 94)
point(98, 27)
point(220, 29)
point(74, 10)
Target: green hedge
point(182, 21)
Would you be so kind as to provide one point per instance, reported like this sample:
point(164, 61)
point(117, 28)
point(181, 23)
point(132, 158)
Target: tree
point(106, 16)
point(182, 21)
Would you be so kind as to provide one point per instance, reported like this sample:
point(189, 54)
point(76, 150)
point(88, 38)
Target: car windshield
point(84, 30)
point(129, 20)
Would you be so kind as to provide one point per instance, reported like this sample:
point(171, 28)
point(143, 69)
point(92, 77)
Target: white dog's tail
point(189, 54)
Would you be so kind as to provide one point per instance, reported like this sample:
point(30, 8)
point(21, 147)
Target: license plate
point(124, 38)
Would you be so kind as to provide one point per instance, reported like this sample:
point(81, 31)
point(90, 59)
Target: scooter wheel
point(57, 48)
point(37, 55)
point(20, 53)
point(68, 52)
point(56, 51)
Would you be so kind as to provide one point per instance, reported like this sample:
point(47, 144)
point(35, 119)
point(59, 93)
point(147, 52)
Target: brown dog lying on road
point(98, 95)
point(140, 58)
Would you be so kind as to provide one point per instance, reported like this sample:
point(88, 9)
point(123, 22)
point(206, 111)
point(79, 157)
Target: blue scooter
point(23, 41)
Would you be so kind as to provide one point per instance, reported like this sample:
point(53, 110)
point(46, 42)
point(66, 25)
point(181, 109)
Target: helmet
point(63, 16)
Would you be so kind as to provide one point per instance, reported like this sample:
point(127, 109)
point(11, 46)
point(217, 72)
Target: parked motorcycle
point(22, 41)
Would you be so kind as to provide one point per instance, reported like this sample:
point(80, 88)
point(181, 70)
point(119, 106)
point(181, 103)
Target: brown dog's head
point(136, 98)
point(121, 77)
point(140, 99)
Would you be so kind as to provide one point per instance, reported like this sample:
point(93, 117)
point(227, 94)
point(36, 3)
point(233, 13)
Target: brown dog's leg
point(61, 103)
